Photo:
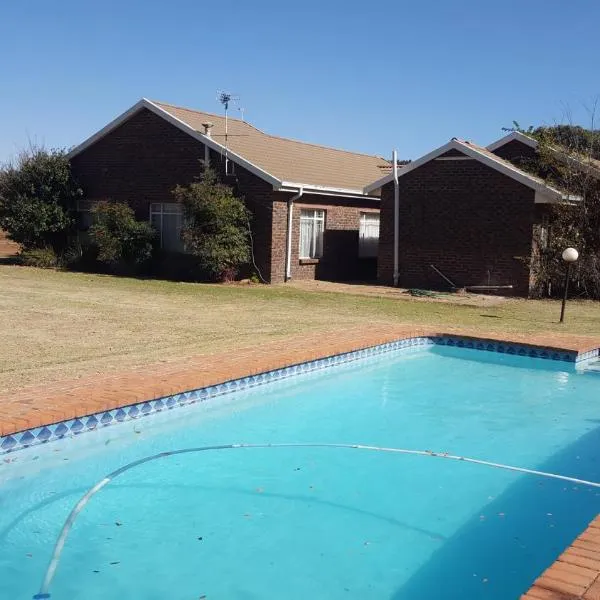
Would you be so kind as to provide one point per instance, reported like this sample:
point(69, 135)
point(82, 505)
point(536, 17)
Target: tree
point(37, 198)
point(121, 243)
point(567, 159)
point(216, 227)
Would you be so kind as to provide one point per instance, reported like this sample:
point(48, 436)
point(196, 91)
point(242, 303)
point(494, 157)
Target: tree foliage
point(121, 242)
point(37, 198)
point(216, 226)
point(567, 159)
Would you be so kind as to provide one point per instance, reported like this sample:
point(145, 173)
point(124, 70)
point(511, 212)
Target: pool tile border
point(64, 429)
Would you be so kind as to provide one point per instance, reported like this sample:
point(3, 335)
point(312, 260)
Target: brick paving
point(45, 404)
point(576, 573)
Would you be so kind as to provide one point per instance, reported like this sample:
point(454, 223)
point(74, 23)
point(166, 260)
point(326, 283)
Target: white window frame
point(366, 243)
point(315, 216)
point(163, 210)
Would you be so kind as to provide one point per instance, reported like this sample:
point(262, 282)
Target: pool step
point(592, 366)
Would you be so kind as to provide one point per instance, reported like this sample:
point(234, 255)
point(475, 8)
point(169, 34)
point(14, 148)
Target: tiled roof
point(287, 160)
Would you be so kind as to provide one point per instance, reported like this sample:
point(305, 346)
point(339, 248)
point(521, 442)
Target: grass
point(58, 325)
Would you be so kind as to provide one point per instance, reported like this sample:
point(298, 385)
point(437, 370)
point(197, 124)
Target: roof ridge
point(278, 137)
point(210, 114)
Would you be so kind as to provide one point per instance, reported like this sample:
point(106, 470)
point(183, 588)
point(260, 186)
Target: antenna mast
point(225, 98)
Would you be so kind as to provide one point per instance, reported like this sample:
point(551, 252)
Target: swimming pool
point(312, 522)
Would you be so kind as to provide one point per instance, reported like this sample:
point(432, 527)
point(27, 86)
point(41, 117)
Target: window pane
point(319, 228)
point(171, 232)
point(368, 239)
point(306, 234)
point(172, 208)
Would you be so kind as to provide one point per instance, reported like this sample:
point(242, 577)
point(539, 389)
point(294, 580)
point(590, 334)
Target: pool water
point(297, 523)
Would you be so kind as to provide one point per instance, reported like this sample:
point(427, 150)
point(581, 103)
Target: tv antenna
point(225, 98)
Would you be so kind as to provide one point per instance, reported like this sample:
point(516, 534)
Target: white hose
point(64, 532)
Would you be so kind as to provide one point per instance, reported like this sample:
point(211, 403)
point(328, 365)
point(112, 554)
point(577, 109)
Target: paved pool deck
point(45, 404)
point(575, 575)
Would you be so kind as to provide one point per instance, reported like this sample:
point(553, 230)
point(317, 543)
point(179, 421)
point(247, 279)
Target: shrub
point(37, 196)
point(44, 258)
point(216, 227)
point(120, 242)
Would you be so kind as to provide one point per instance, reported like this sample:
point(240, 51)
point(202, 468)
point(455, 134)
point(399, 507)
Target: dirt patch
point(7, 247)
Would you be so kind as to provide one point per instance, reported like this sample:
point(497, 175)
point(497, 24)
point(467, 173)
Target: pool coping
point(49, 430)
point(575, 575)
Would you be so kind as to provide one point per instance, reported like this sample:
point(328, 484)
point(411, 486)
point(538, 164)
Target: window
point(312, 225)
point(368, 235)
point(167, 219)
point(229, 167)
point(85, 218)
point(544, 232)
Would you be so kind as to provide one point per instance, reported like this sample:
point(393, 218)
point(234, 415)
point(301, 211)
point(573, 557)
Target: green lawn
point(59, 325)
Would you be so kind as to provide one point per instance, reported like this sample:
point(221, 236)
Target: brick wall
point(340, 261)
point(142, 160)
point(470, 221)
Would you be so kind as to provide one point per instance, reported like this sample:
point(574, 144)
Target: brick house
point(310, 215)
point(469, 212)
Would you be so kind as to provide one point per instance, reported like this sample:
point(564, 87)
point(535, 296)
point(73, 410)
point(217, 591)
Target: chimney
point(207, 127)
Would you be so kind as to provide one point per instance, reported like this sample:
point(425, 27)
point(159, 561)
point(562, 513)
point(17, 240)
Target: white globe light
point(570, 255)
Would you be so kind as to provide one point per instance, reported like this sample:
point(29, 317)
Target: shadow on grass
point(506, 545)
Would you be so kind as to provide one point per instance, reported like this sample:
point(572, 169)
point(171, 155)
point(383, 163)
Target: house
point(311, 217)
point(463, 213)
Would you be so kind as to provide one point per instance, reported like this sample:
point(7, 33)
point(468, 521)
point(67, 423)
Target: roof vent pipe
point(207, 127)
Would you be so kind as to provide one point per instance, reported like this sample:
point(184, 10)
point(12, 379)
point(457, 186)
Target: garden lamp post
point(569, 255)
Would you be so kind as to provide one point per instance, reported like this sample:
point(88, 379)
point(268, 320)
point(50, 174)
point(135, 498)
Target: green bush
point(120, 243)
point(216, 226)
point(37, 199)
point(44, 258)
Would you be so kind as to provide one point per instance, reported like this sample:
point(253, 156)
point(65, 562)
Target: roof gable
point(282, 162)
point(512, 137)
point(480, 154)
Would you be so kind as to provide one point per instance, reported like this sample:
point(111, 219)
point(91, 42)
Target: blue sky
point(366, 76)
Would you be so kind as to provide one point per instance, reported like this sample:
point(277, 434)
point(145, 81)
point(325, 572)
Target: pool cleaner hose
point(44, 592)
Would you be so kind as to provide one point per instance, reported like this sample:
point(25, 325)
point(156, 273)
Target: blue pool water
point(299, 523)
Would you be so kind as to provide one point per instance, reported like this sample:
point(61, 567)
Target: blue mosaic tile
point(133, 411)
point(120, 415)
point(158, 405)
point(8, 443)
point(61, 430)
point(77, 426)
point(26, 438)
point(106, 418)
point(92, 422)
point(44, 434)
